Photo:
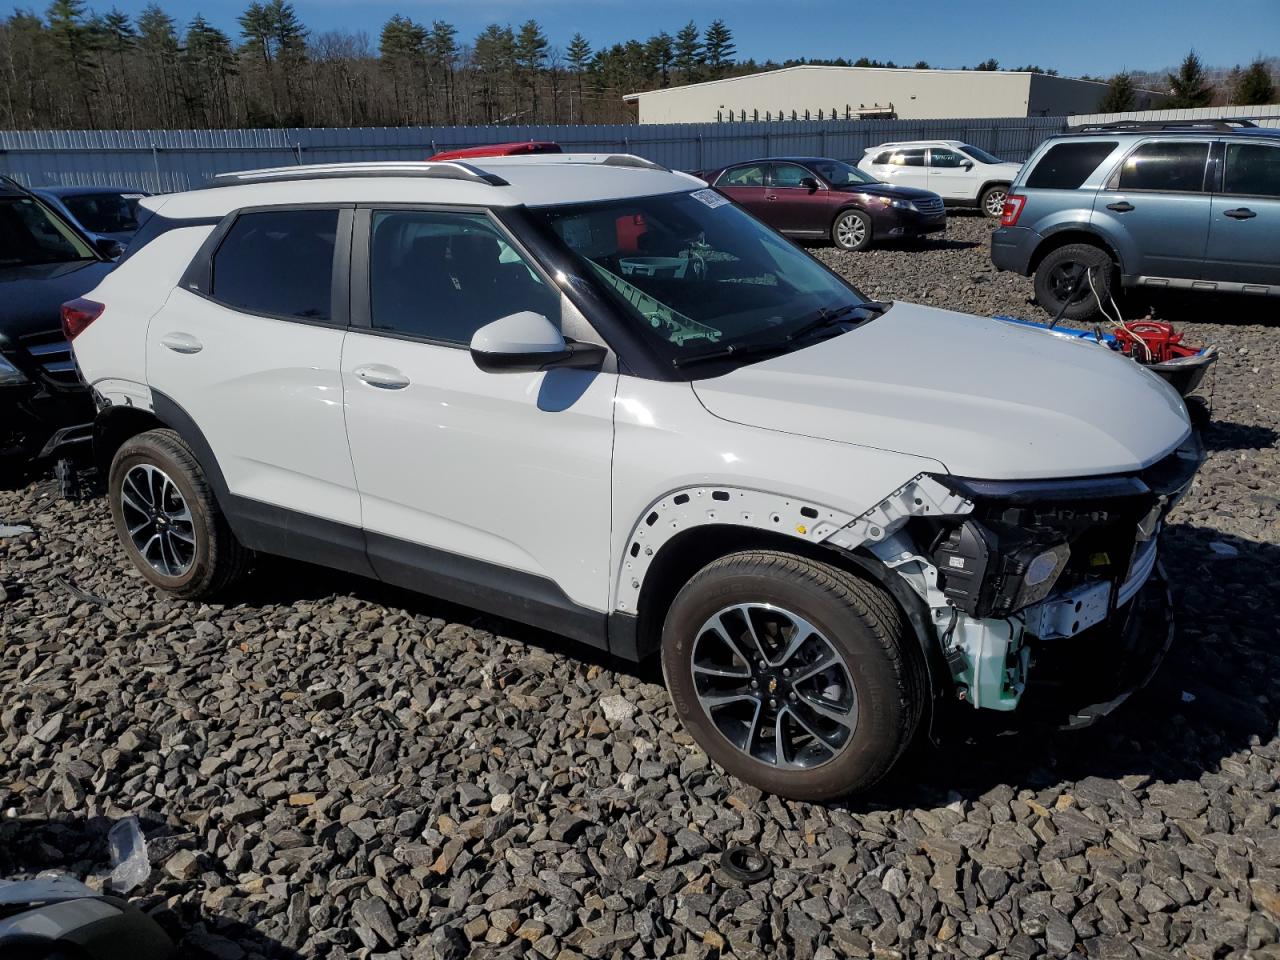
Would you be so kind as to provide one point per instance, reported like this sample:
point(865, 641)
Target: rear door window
point(1253, 169)
point(907, 158)
point(278, 263)
point(1165, 166)
point(1066, 166)
point(751, 175)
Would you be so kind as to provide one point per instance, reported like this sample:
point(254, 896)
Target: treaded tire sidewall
point(866, 239)
point(219, 558)
point(1102, 280)
point(858, 618)
point(982, 200)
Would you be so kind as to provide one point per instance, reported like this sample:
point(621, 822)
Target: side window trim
point(361, 274)
point(1220, 185)
point(198, 277)
point(1112, 182)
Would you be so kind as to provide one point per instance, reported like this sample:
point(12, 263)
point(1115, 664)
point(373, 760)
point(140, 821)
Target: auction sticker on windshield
point(710, 198)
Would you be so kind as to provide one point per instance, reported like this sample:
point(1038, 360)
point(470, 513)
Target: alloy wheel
point(851, 230)
point(995, 203)
point(158, 520)
point(774, 686)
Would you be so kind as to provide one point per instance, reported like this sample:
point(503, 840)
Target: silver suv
point(1186, 205)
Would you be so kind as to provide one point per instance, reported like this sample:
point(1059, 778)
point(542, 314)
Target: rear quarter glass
point(1065, 166)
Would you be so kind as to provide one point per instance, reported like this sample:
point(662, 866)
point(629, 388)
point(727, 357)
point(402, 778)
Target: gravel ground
point(326, 767)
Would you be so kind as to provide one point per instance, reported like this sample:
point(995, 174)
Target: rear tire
point(851, 230)
point(825, 638)
point(168, 520)
point(1075, 264)
point(991, 203)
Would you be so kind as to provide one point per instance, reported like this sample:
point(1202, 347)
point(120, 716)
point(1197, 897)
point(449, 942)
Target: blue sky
point(1074, 36)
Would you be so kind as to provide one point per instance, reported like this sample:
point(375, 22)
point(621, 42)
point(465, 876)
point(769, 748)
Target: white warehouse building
point(819, 92)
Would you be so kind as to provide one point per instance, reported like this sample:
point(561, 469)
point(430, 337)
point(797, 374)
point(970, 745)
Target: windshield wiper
point(827, 318)
point(732, 350)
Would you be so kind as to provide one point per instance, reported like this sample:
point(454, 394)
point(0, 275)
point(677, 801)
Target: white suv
point(593, 395)
point(961, 173)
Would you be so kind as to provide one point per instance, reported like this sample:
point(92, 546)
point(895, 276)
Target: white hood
point(989, 399)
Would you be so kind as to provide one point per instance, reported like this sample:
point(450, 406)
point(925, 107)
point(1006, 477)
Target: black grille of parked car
point(928, 205)
point(51, 353)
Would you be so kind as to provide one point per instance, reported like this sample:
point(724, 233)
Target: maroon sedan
point(811, 197)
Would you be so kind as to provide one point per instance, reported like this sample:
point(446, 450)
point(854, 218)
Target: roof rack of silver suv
point(446, 169)
point(1210, 123)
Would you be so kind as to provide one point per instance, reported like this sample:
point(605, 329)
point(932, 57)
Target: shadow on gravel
point(1183, 307)
point(77, 847)
point(1213, 696)
point(1225, 435)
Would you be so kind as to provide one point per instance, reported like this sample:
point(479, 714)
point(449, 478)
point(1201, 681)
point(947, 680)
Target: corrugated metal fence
point(167, 160)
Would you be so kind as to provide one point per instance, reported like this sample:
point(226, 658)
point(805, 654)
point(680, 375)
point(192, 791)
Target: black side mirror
point(968, 164)
point(809, 183)
point(111, 249)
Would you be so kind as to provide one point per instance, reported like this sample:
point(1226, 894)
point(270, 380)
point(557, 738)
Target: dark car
point(44, 262)
point(812, 197)
point(111, 213)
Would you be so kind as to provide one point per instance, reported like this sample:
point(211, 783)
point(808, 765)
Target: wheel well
point(993, 183)
point(114, 427)
point(1064, 238)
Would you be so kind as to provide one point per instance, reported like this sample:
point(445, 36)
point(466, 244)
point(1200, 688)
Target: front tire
point(991, 203)
point(1063, 277)
point(168, 520)
point(793, 675)
point(851, 230)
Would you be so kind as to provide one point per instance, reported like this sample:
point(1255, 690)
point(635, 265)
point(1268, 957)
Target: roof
point(532, 180)
point(65, 191)
point(861, 70)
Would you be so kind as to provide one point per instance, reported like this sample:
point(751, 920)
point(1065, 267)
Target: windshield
point(980, 155)
point(840, 174)
point(31, 234)
point(696, 273)
point(105, 212)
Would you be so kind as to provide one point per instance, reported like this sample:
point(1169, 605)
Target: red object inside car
point(499, 150)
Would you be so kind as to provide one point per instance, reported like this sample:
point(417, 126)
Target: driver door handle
point(382, 376)
point(180, 342)
point(1121, 206)
point(1240, 213)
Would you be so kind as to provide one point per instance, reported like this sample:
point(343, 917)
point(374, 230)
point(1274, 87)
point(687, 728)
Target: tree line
point(1194, 85)
point(72, 68)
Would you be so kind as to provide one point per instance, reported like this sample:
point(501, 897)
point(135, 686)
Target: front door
point(801, 207)
point(746, 186)
point(252, 358)
point(1244, 230)
point(488, 488)
point(1157, 205)
point(951, 174)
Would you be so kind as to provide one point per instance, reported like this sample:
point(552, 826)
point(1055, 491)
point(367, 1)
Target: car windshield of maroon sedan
point(700, 277)
point(840, 174)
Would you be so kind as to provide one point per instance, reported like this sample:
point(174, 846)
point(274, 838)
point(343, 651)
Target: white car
point(593, 395)
point(962, 174)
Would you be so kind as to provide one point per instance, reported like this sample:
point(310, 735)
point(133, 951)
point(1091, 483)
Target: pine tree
point(1121, 95)
point(74, 41)
point(578, 55)
point(531, 58)
point(719, 47)
point(207, 58)
point(661, 52)
point(989, 65)
point(442, 57)
point(118, 38)
point(690, 56)
point(495, 59)
point(160, 49)
point(401, 47)
point(1190, 86)
point(1255, 86)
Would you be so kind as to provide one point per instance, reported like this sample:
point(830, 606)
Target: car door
point(906, 168)
point(1155, 207)
point(747, 186)
point(473, 485)
point(248, 347)
point(1244, 227)
point(950, 174)
point(801, 201)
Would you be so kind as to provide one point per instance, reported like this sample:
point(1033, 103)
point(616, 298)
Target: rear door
point(1244, 230)
point(1155, 200)
point(950, 174)
point(799, 208)
point(747, 186)
point(249, 346)
point(906, 168)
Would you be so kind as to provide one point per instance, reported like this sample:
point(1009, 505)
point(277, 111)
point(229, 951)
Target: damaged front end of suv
point(1044, 596)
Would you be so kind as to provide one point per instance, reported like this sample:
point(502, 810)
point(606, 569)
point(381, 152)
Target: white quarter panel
point(508, 468)
point(267, 395)
point(666, 441)
point(991, 400)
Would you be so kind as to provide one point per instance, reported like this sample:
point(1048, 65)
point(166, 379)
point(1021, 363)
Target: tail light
point(1012, 209)
point(77, 314)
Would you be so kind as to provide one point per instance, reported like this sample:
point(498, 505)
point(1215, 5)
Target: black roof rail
point(1225, 124)
point(444, 169)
